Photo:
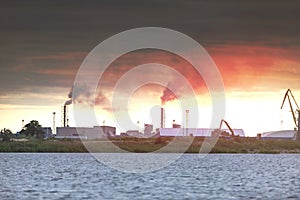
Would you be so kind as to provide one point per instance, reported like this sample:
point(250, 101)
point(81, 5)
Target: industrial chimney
point(64, 116)
point(162, 117)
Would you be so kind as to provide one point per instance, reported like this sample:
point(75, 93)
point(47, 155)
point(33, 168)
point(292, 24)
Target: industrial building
point(47, 132)
point(279, 135)
point(176, 125)
point(96, 132)
point(204, 132)
point(133, 133)
point(148, 128)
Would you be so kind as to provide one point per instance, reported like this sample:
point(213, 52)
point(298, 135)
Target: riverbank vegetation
point(144, 145)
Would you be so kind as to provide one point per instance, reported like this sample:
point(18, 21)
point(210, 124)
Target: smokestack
point(68, 102)
point(64, 114)
point(162, 117)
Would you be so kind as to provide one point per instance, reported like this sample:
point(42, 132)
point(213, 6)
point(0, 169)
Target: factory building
point(279, 135)
point(148, 132)
point(133, 133)
point(148, 128)
point(47, 132)
point(204, 132)
point(96, 132)
point(176, 125)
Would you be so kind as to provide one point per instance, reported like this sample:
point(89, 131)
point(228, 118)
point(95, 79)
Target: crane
point(219, 132)
point(287, 96)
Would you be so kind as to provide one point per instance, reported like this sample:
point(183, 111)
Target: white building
point(280, 135)
point(195, 132)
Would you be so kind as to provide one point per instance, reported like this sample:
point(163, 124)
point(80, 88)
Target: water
point(217, 176)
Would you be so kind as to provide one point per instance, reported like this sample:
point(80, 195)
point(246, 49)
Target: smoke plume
point(174, 90)
point(168, 95)
point(68, 102)
point(85, 96)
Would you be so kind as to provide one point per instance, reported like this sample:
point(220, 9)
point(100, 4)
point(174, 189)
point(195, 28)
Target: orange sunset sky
point(255, 45)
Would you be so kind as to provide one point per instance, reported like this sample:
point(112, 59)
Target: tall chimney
point(64, 115)
point(162, 117)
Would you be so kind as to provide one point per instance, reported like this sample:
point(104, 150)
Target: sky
point(255, 45)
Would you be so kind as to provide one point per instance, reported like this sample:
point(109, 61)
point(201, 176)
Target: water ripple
point(80, 176)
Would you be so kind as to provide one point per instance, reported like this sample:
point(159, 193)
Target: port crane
point(289, 96)
point(219, 133)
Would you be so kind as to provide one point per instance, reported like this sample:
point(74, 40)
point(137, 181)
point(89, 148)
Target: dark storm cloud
point(69, 25)
point(30, 29)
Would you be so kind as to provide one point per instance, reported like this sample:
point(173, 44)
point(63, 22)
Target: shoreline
point(155, 145)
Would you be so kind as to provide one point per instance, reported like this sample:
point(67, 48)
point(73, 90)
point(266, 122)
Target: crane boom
point(287, 96)
point(230, 129)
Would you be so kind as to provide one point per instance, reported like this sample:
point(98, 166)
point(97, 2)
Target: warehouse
point(279, 135)
point(204, 132)
point(95, 132)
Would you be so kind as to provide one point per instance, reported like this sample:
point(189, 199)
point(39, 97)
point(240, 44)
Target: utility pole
point(187, 120)
point(54, 131)
point(298, 130)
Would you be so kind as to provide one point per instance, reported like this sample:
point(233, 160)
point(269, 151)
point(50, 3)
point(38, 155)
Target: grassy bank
point(138, 145)
point(233, 145)
point(62, 146)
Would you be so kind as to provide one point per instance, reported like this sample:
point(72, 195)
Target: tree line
point(31, 130)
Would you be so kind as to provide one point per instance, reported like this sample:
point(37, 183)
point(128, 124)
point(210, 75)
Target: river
point(216, 176)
